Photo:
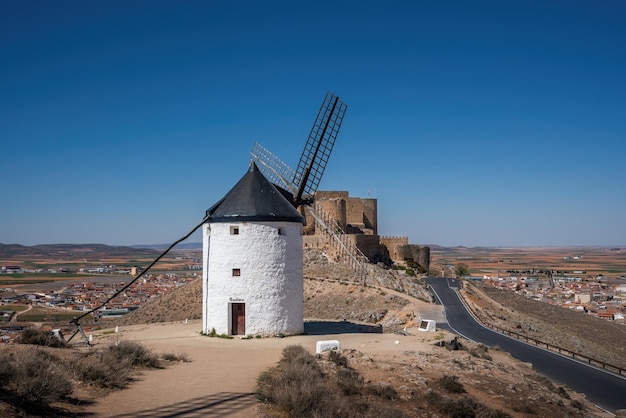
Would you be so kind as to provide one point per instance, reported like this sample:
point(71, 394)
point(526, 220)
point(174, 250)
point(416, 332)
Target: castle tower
point(252, 280)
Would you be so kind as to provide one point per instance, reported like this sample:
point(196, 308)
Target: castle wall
point(358, 218)
point(369, 245)
point(334, 208)
point(370, 214)
point(394, 244)
point(319, 195)
point(354, 208)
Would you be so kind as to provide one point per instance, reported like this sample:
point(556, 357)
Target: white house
point(252, 252)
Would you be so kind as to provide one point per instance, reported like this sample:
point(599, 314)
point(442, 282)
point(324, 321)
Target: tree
point(461, 270)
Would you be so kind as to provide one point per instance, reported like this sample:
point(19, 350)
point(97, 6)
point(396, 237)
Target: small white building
point(252, 252)
point(427, 325)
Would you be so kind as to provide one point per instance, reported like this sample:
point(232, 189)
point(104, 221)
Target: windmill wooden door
point(238, 319)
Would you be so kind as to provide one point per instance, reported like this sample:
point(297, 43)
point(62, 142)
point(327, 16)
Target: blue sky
point(484, 123)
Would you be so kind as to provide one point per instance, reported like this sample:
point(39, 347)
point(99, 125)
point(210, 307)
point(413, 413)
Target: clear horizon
point(490, 124)
point(199, 243)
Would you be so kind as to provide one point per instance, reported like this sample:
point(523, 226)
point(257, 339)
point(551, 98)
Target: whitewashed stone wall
point(270, 284)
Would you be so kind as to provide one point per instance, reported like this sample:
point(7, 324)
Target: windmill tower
point(252, 249)
point(252, 240)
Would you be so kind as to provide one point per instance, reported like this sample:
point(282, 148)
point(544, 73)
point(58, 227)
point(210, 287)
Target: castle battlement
point(356, 219)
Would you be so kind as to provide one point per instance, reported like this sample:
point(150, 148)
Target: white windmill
point(252, 250)
point(252, 238)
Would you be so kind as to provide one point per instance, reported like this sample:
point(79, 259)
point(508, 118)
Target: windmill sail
point(303, 182)
point(273, 168)
point(318, 147)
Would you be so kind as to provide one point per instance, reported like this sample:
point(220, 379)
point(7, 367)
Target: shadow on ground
point(222, 404)
point(339, 327)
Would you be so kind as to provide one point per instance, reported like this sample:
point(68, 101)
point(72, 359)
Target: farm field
point(58, 264)
point(580, 261)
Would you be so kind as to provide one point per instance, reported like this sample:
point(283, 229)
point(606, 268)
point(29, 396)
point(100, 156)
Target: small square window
point(236, 272)
point(234, 230)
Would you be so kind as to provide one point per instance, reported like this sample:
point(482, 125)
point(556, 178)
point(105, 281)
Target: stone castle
point(356, 219)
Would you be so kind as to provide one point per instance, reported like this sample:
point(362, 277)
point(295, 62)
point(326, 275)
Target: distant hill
point(181, 246)
point(67, 250)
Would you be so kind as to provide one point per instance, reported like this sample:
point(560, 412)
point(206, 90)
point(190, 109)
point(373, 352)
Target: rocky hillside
point(574, 331)
point(329, 293)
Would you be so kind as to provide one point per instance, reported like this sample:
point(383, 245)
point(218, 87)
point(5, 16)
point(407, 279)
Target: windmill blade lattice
point(303, 182)
point(273, 167)
point(318, 147)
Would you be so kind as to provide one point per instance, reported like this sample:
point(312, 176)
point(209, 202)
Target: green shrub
point(214, 333)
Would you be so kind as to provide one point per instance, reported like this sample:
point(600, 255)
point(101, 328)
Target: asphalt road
point(604, 389)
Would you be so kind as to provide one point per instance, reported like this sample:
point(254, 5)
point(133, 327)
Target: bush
point(563, 392)
point(384, 411)
point(293, 353)
point(578, 405)
point(479, 351)
point(40, 337)
point(176, 357)
point(296, 385)
point(34, 377)
point(134, 354)
point(350, 381)
point(524, 407)
point(111, 367)
point(337, 358)
point(451, 384)
point(383, 390)
point(104, 370)
point(462, 408)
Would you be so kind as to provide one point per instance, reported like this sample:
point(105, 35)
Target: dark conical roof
point(253, 198)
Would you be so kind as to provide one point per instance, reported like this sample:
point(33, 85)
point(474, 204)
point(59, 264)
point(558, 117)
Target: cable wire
point(75, 320)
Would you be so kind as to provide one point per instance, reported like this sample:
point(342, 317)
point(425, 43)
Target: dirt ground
point(220, 379)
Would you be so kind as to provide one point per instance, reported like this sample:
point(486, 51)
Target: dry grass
point(38, 380)
point(348, 383)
